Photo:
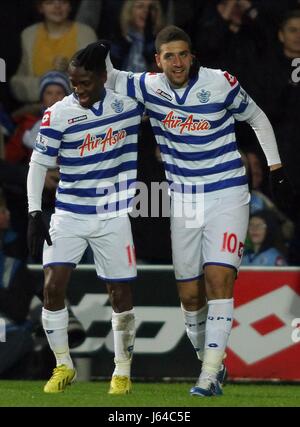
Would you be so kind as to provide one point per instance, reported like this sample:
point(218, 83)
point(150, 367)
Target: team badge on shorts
point(41, 143)
point(117, 106)
point(204, 96)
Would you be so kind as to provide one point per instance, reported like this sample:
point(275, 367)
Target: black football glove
point(37, 232)
point(281, 190)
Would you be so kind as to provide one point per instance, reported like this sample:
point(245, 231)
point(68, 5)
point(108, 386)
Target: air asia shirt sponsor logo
point(189, 125)
point(46, 119)
point(92, 142)
point(164, 94)
point(77, 119)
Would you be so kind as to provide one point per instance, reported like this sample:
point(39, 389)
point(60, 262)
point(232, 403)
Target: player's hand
point(105, 44)
point(281, 190)
point(37, 232)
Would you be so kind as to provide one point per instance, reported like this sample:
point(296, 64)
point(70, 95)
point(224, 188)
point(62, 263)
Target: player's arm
point(112, 74)
point(43, 157)
point(244, 108)
point(123, 82)
point(37, 230)
point(281, 189)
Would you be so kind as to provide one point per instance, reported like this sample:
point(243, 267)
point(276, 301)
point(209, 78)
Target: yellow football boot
point(120, 385)
point(61, 377)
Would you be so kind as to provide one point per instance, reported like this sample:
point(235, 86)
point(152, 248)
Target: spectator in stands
point(264, 240)
point(140, 21)
point(259, 200)
point(232, 36)
point(101, 15)
point(48, 45)
point(53, 87)
point(279, 95)
point(184, 14)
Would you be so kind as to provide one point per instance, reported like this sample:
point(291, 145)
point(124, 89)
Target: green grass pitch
point(84, 394)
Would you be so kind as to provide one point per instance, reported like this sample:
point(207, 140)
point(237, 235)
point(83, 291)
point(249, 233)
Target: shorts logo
point(46, 119)
point(232, 245)
point(204, 96)
point(117, 106)
point(77, 119)
point(231, 79)
point(241, 249)
point(164, 94)
point(41, 143)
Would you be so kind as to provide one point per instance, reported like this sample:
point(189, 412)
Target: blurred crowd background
point(256, 40)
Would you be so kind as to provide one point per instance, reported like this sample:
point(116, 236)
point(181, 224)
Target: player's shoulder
point(220, 78)
point(55, 114)
point(65, 106)
point(152, 77)
point(119, 100)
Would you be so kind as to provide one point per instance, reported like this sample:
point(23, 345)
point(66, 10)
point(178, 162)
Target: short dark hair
point(92, 58)
point(292, 14)
point(171, 33)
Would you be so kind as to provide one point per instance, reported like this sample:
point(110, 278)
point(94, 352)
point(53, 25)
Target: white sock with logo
point(55, 324)
point(195, 322)
point(123, 325)
point(218, 328)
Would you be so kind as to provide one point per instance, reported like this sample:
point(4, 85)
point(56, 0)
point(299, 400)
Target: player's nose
point(177, 61)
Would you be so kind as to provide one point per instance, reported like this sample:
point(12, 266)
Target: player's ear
point(157, 59)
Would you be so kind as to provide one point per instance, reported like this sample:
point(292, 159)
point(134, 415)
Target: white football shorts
point(213, 235)
point(110, 240)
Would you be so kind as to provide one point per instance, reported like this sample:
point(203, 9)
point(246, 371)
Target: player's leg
point(223, 241)
point(194, 309)
point(186, 252)
point(115, 263)
point(123, 326)
point(59, 261)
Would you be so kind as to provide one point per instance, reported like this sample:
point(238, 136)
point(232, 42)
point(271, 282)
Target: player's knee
point(120, 298)
point(189, 301)
point(219, 284)
point(53, 292)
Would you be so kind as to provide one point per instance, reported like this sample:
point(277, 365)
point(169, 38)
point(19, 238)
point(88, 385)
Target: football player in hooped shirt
point(92, 135)
point(192, 112)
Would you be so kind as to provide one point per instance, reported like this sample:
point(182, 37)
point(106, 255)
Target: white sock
point(123, 325)
point(55, 324)
point(218, 328)
point(195, 322)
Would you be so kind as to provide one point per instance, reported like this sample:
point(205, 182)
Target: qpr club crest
point(204, 96)
point(117, 106)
